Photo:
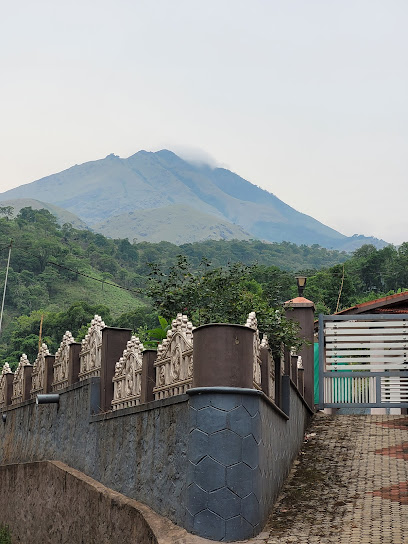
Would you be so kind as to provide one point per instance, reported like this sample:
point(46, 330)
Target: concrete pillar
point(148, 375)
point(113, 343)
point(301, 381)
point(223, 356)
point(302, 310)
point(286, 361)
point(48, 373)
point(27, 371)
point(267, 370)
point(9, 388)
point(294, 368)
point(73, 363)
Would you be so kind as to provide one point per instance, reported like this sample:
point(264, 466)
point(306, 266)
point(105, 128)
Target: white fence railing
point(364, 360)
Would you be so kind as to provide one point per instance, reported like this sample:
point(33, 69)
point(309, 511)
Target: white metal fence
point(363, 360)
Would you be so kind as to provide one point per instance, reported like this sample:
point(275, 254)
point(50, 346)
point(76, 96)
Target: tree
point(7, 211)
point(218, 295)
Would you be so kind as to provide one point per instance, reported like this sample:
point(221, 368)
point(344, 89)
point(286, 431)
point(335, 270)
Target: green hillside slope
point(178, 224)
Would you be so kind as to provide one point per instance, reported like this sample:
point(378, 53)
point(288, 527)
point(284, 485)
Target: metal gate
point(363, 361)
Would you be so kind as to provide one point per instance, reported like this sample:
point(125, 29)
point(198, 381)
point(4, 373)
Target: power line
point(27, 248)
point(140, 291)
point(5, 284)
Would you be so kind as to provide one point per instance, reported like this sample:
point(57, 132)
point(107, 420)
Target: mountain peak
point(147, 181)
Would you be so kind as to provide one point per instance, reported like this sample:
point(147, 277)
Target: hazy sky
point(305, 98)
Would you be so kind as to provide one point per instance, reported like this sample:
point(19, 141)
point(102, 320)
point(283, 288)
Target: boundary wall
point(210, 454)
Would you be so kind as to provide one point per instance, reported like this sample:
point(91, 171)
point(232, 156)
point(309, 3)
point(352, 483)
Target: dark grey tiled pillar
point(223, 479)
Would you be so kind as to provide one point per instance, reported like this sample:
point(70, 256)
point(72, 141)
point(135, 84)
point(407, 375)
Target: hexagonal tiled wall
point(224, 484)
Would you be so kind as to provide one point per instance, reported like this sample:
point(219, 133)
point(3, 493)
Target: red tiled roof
point(389, 300)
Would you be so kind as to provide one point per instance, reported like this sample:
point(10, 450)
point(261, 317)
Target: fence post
point(27, 371)
point(113, 343)
point(148, 375)
point(223, 356)
point(294, 368)
point(48, 372)
point(73, 363)
point(9, 388)
point(302, 310)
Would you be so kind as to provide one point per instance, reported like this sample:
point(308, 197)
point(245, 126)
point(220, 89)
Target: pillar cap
point(299, 302)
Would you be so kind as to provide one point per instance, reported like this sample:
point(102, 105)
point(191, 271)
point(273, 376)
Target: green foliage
point(23, 335)
point(7, 211)
point(153, 337)
point(5, 537)
point(369, 274)
point(134, 319)
point(219, 295)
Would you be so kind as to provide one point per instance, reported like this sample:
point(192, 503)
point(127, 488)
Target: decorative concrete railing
point(90, 355)
point(61, 363)
point(224, 449)
point(131, 375)
point(6, 377)
point(22, 380)
point(252, 323)
point(38, 374)
point(127, 381)
point(174, 363)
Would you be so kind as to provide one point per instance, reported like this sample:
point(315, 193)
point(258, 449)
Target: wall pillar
point(267, 369)
point(302, 310)
point(48, 373)
point(9, 388)
point(27, 371)
point(224, 480)
point(113, 343)
point(294, 369)
point(223, 356)
point(73, 363)
point(148, 375)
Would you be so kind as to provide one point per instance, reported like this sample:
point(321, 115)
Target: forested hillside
point(65, 276)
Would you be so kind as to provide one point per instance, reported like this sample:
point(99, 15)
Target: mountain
point(101, 190)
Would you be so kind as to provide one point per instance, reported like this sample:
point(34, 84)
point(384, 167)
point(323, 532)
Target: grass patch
point(5, 537)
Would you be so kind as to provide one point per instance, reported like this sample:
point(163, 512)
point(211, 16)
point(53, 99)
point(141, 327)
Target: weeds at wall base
point(5, 537)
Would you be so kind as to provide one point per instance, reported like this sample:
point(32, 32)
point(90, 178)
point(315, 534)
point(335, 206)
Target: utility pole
point(5, 284)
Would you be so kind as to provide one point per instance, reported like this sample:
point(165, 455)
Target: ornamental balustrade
point(3, 385)
point(174, 363)
point(61, 362)
point(90, 355)
point(19, 380)
point(127, 381)
point(252, 323)
point(38, 374)
point(172, 370)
